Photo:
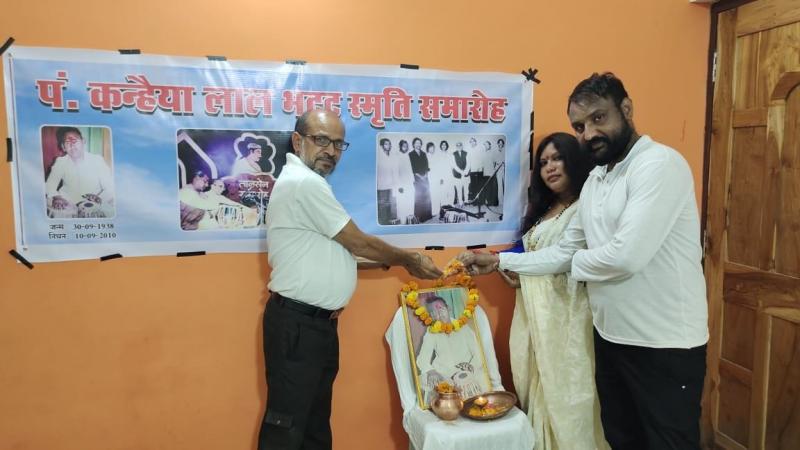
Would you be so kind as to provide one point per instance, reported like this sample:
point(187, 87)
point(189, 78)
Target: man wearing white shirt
point(388, 181)
point(79, 176)
point(248, 164)
point(312, 246)
point(635, 241)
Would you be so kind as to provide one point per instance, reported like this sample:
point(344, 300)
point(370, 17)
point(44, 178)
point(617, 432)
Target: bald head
point(315, 117)
point(314, 128)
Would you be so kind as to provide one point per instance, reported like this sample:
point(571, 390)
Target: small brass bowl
point(498, 404)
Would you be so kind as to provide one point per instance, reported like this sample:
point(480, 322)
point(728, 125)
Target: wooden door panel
point(748, 244)
point(765, 15)
point(734, 407)
point(783, 399)
point(778, 53)
point(746, 74)
point(787, 251)
point(738, 335)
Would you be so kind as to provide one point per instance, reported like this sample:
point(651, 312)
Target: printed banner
point(154, 155)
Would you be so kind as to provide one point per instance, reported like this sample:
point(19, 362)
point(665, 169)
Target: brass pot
point(447, 406)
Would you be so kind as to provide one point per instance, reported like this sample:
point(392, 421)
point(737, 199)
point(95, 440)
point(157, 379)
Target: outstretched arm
point(657, 194)
point(370, 247)
point(553, 259)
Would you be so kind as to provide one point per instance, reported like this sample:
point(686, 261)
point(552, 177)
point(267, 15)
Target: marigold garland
point(456, 273)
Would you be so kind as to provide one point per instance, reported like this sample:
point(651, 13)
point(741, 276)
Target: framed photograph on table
point(450, 351)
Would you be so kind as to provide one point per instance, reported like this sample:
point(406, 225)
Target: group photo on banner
point(154, 155)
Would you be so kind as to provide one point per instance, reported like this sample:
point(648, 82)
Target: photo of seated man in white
point(456, 357)
point(77, 167)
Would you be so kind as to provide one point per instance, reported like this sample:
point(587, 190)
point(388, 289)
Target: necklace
point(536, 240)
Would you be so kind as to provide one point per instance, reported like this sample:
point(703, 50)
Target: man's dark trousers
point(649, 397)
point(301, 351)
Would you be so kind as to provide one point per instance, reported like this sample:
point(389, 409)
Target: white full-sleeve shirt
point(88, 175)
point(635, 241)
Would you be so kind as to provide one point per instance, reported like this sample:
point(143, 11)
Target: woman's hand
point(479, 263)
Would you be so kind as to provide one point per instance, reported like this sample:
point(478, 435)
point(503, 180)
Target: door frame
point(709, 409)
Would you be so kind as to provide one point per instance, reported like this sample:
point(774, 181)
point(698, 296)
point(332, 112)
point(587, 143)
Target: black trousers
point(422, 200)
point(301, 352)
point(649, 397)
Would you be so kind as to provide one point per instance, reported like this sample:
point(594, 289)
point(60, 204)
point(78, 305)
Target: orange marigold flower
point(445, 388)
point(427, 321)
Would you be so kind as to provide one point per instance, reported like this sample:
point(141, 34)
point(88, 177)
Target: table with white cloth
point(426, 431)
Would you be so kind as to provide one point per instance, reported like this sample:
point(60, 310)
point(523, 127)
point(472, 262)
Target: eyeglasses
point(324, 141)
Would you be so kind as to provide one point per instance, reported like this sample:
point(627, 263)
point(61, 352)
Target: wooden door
point(752, 396)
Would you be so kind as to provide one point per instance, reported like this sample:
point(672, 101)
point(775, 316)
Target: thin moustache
point(598, 140)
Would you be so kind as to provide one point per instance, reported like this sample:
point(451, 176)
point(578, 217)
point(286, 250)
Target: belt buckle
point(335, 314)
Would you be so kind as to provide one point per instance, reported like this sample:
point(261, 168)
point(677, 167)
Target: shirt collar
point(295, 162)
point(601, 171)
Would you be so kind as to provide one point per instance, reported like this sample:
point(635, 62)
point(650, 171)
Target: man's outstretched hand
point(422, 266)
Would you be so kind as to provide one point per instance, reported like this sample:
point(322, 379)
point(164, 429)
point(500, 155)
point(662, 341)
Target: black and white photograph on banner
point(225, 177)
point(79, 182)
point(429, 178)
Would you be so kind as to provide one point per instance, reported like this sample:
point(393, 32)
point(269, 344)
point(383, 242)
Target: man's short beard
point(615, 146)
point(320, 171)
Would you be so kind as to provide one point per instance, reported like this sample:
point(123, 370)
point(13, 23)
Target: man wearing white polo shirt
point(312, 245)
point(635, 241)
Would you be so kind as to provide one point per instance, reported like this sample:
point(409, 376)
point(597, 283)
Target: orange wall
point(165, 353)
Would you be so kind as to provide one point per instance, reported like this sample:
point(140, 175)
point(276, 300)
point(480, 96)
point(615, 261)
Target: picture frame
point(457, 357)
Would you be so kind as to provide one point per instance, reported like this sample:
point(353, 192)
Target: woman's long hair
point(577, 165)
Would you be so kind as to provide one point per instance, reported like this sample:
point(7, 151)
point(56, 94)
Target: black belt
point(305, 308)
